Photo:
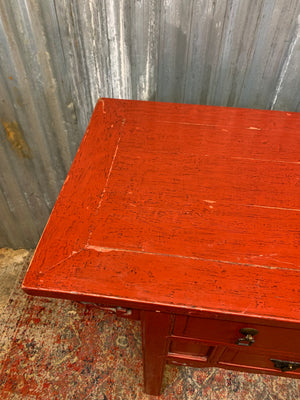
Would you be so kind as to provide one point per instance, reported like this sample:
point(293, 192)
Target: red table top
point(181, 206)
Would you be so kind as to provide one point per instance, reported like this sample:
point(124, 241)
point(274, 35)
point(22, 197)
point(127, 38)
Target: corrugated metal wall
point(59, 56)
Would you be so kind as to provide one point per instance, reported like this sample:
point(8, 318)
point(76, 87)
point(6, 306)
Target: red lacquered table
point(187, 218)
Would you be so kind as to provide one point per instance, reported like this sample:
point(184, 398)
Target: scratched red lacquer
point(180, 206)
point(186, 217)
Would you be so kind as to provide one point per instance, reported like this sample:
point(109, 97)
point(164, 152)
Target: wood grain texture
point(179, 206)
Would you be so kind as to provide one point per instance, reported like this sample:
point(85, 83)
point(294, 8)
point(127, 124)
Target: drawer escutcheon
point(285, 366)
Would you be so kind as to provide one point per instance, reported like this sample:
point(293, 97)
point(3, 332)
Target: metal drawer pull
point(119, 311)
point(248, 338)
point(285, 366)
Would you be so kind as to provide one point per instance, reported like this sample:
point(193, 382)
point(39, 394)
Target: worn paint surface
point(165, 203)
point(59, 57)
point(183, 210)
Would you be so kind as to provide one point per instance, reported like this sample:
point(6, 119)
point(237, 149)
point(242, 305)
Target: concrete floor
point(11, 264)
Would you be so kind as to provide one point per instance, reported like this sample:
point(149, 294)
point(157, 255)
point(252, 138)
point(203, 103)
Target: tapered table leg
point(156, 327)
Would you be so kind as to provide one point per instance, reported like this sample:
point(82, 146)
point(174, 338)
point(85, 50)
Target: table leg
point(156, 327)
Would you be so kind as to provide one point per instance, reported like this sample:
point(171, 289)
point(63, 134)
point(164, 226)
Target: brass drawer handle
point(248, 338)
point(285, 366)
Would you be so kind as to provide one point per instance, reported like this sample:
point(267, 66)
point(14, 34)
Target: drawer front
point(195, 348)
point(233, 357)
point(229, 332)
point(183, 351)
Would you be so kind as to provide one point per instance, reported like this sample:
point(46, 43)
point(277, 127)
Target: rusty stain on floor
point(59, 349)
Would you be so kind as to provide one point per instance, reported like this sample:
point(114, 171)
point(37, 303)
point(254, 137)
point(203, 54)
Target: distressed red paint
point(192, 211)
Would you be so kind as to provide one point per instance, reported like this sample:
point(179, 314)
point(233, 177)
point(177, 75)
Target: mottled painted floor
point(57, 349)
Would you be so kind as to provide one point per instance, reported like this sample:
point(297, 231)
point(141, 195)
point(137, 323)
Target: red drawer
point(190, 348)
point(228, 332)
point(235, 358)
